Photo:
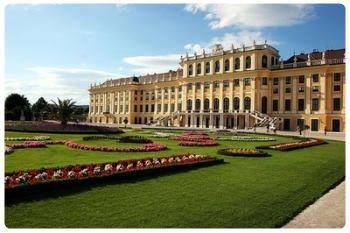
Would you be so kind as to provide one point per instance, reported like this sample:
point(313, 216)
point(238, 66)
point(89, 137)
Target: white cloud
point(253, 15)
point(152, 64)
point(53, 82)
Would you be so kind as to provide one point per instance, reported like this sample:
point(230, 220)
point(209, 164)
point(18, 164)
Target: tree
point(64, 110)
point(125, 121)
point(40, 108)
point(15, 104)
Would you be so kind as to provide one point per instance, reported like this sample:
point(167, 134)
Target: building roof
point(316, 55)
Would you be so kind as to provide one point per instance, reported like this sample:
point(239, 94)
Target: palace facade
point(236, 88)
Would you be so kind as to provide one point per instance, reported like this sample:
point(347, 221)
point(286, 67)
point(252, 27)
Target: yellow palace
point(231, 89)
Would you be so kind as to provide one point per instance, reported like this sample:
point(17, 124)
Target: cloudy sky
point(58, 50)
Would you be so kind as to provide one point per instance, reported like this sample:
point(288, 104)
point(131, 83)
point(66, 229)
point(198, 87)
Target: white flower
point(191, 157)
point(108, 167)
point(171, 160)
point(130, 165)
point(120, 167)
point(97, 170)
point(57, 174)
point(164, 160)
point(71, 173)
point(148, 163)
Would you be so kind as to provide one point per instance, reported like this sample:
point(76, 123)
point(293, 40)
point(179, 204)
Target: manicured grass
point(243, 192)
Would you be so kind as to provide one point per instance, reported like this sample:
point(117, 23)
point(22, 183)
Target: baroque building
point(237, 88)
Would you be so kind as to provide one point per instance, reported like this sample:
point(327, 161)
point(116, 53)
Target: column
point(281, 94)
point(221, 97)
point(230, 96)
point(202, 98)
point(118, 107)
point(241, 95)
point(176, 99)
point(162, 101)
point(294, 94)
point(221, 124)
point(252, 95)
point(211, 97)
point(323, 93)
point(307, 94)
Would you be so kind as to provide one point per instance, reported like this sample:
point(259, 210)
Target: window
point(227, 65)
point(300, 123)
point(206, 85)
point(237, 63)
point(264, 61)
point(206, 105)
point(248, 62)
point(288, 80)
point(236, 82)
point(315, 78)
point(141, 92)
point(146, 108)
point(301, 89)
point(159, 106)
point(152, 108)
point(135, 108)
point(190, 70)
point(275, 90)
point(179, 107)
point(301, 105)
point(189, 86)
point(315, 88)
point(172, 107)
point(217, 66)
point(247, 103)
point(226, 104)
point(165, 107)
point(288, 90)
point(226, 83)
point(189, 105)
point(272, 61)
point(336, 88)
point(216, 104)
point(275, 81)
point(314, 105)
point(135, 92)
point(336, 104)
point(314, 124)
point(236, 103)
point(287, 105)
point(207, 67)
point(198, 85)
point(264, 80)
point(336, 77)
point(180, 88)
point(301, 79)
point(247, 81)
point(172, 90)
point(199, 68)
point(141, 108)
point(197, 105)
point(275, 105)
point(216, 84)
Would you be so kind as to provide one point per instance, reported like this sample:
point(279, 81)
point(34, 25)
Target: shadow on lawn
point(89, 185)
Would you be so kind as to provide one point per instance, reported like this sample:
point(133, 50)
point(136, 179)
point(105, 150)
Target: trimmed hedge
point(134, 139)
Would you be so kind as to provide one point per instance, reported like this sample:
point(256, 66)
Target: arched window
point(216, 104)
point(189, 105)
point(190, 70)
point(248, 62)
point(217, 66)
point(247, 103)
point(206, 105)
point(272, 61)
point(227, 65)
point(207, 67)
point(236, 103)
point(226, 104)
point(237, 63)
point(197, 105)
point(264, 105)
point(199, 68)
point(264, 61)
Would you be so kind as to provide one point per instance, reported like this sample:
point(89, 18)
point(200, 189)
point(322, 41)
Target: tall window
point(336, 77)
point(288, 80)
point(206, 85)
point(189, 105)
point(217, 66)
point(237, 63)
point(190, 70)
point(226, 104)
point(301, 105)
point(199, 68)
point(264, 81)
point(198, 85)
point(216, 104)
point(336, 104)
point(206, 105)
point(275, 81)
point(227, 65)
point(236, 103)
point(264, 61)
point(236, 82)
point(287, 105)
point(247, 103)
point(189, 86)
point(272, 61)
point(248, 62)
point(275, 105)
point(314, 105)
point(247, 82)
point(301, 79)
point(315, 78)
point(197, 105)
point(207, 67)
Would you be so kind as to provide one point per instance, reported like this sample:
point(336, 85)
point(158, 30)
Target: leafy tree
point(64, 110)
point(40, 108)
point(14, 105)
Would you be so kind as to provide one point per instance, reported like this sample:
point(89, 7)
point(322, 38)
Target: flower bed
point(51, 127)
point(37, 138)
point(195, 139)
point(52, 178)
point(294, 145)
point(145, 148)
point(28, 144)
point(243, 152)
point(8, 150)
point(248, 139)
point(135, 139)
point(99, 137)
point(161, 135)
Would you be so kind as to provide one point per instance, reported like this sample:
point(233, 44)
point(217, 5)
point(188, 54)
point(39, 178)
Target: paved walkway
point(326, 212)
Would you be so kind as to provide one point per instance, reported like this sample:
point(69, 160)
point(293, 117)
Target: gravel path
point(326, 212)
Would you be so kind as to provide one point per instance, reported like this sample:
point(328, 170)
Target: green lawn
point(243, 192)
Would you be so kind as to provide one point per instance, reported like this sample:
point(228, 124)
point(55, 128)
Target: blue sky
point(58, 50)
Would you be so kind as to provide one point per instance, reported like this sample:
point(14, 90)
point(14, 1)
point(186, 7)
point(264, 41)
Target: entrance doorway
point(336, 125)
point(264, 105)
point(314, 124)
point(286, 124)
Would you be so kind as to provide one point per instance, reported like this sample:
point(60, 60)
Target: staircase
point(264, 119)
